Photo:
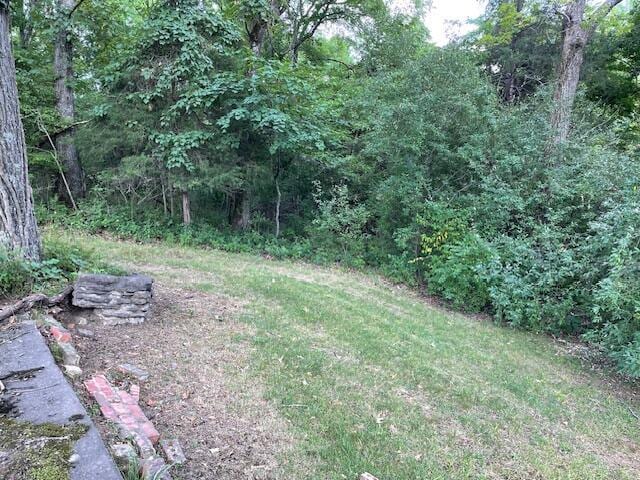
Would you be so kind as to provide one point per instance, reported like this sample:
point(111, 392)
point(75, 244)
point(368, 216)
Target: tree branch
point(31, 301)
point(600, 13)
point(75, 7)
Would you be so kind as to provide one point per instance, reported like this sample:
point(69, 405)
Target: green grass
point(372, 378)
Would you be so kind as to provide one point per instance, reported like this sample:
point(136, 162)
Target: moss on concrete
point(37, 452)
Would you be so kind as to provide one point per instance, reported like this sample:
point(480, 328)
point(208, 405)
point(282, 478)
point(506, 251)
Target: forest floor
point(272, 369)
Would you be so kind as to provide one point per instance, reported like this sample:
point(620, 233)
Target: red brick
point(150, 431)
point(120, 408)
point(101, 399)
point(91, 386)
point(110, 394)
point(128, 421)
point(137, 412)
point(128, 399)
point(135, 392)
point(60, 335)
point(102, 382)
point(109, 412)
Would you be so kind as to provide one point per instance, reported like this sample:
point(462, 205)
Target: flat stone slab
point(110, 283)
point(46, 397)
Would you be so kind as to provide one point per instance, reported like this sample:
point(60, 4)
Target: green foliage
point(59, 265)
point(455, 273)
point(616, 309)
point(375, 149)
point(15, 274)
point(340, 223)
point(520, 44)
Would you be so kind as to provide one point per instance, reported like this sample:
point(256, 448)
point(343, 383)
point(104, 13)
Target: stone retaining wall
point(115, 300)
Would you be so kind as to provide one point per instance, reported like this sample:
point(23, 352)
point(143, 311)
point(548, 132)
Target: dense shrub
point(616, 305)
point(455, 274)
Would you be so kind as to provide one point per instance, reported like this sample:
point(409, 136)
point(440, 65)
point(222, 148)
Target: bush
point(340, 225)
point(534, 285)
point(16, 275)
point(455, 274)
point(616, 302)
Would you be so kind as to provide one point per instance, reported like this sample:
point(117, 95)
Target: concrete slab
point(47, 397)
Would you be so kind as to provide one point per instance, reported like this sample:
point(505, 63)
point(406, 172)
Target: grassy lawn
point(372, 378)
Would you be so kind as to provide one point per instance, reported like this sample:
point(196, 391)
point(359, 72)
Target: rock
point(72, 371)
point(173, 451)
point(109, 283)
point(137, 372)
point(367, 476)
point(154, 468)
point(69, 354)
point(81, 320)
point(112, 321)
point(85, 332)
point(123, 454)
point(145, 447)
point(49, 321)
point(134, 394)
point(60, 334)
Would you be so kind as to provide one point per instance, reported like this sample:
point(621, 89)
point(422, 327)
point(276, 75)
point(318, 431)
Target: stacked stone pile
point(115, 300)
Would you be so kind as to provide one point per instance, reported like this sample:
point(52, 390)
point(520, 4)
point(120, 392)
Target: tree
point(306, 16)
point(612, 66)
point(18, 229)
point(520, 42)
point(65, 102)
point(179, 71)
point(576, 33)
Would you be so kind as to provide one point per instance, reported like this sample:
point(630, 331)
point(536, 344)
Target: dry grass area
point(199, 390)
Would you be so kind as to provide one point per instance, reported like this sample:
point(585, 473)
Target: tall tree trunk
point(295, 32)
point(18, 229)
point(65, 105)
point(26, 32)
point(574, 41)
point(242, 212)
point(278, 201)
point(186, 208)
point(576, 32)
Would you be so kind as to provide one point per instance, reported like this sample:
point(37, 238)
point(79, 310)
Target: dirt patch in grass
point(199, 390)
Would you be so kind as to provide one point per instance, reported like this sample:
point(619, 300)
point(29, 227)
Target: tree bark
point(242, 219)
point(278, 201)
point(65, 105)
point(18, 229)
point(576, 33)
point(186, 208)
point(26, 32)
point(31, 301)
